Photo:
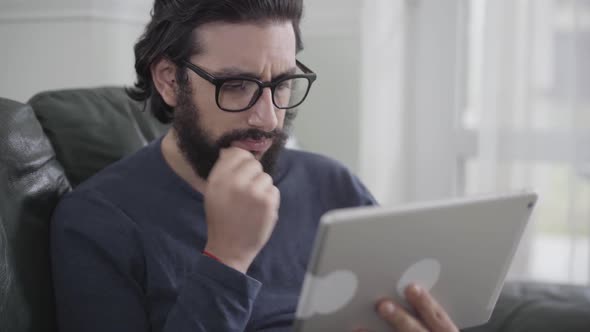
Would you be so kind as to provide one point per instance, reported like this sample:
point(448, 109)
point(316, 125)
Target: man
point(192, 233)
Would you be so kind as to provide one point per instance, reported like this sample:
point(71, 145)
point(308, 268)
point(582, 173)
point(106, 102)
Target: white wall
point(66, 44)
point(84, 43)
point(376, 61)
point(383, 113)
point(329, 120)
point(433, 51)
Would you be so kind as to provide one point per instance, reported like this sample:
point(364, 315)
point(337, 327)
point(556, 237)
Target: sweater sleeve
point(99, 277)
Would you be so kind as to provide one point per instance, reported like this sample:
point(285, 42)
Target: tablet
point(459, 249)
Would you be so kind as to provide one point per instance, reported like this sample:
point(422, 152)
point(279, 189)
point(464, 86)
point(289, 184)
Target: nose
point(263, 114)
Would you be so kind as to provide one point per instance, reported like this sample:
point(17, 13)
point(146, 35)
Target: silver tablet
point(459, 249)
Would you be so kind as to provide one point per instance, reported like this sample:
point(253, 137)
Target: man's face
point(259, 51)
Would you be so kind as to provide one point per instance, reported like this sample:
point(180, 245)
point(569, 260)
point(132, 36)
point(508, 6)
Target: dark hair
point(170, 34)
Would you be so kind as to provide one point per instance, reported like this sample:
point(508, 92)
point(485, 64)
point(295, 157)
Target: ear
point(164, 76)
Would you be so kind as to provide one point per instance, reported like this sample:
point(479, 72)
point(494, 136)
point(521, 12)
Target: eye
point(286, 84)
point(235, 85)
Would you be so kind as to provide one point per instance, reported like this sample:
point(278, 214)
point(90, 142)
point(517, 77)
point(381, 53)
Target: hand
point(433, 317)
point(241, 208)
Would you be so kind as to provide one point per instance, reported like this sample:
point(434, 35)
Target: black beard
point(202, 153)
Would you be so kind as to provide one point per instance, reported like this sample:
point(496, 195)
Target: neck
point(175, 159)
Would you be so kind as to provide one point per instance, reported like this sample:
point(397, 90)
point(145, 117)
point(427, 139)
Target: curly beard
point(202, 152)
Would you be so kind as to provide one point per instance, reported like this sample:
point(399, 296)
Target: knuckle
point(247, 155)
point(261, 198)
point(427, 306)
point(276, 195)
point(439, 316)
point(255, 164)
point(264, 178)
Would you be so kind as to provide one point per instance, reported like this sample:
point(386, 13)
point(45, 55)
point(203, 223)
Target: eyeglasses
point(239, 93)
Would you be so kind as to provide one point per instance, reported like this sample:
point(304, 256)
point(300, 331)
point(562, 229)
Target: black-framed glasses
point(239, 93)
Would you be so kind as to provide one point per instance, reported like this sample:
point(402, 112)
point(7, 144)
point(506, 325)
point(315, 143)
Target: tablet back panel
point(461, 249)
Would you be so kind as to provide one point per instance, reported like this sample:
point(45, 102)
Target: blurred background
point(423, 99)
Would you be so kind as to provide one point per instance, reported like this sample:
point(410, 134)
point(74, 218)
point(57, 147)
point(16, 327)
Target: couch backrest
point(92, 128)
point(69, 136)
point(31, 183)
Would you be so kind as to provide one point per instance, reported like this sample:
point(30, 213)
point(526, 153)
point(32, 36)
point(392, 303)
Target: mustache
point(251, 133)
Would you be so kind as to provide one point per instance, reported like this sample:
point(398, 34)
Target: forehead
point(247, 44)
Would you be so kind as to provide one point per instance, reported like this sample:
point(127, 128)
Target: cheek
point(218, 123)
point(204, 96)
point(213, 120)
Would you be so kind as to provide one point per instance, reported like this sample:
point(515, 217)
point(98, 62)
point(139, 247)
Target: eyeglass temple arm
point(303, 67)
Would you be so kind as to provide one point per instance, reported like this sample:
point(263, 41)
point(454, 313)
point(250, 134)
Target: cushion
point(540, 307)
point(92, 128)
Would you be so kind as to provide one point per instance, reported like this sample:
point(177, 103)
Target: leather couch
point(47, 147)
point(60, 138)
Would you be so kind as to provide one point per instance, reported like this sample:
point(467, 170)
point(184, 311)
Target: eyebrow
point(235, 71)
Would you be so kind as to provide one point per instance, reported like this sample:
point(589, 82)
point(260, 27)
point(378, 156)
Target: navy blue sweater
point(126, 249)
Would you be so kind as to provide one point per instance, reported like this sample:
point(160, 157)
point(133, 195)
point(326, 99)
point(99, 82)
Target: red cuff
point(206, 253)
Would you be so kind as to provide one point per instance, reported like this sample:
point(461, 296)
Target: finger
point(398, 318)
point(231, 158)
point(430, 311)
point(262, 185)
point(276, 194)
point(247, 172)
point(236, 164)
point(263, 180)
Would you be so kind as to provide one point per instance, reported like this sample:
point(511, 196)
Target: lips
point(257, 146)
